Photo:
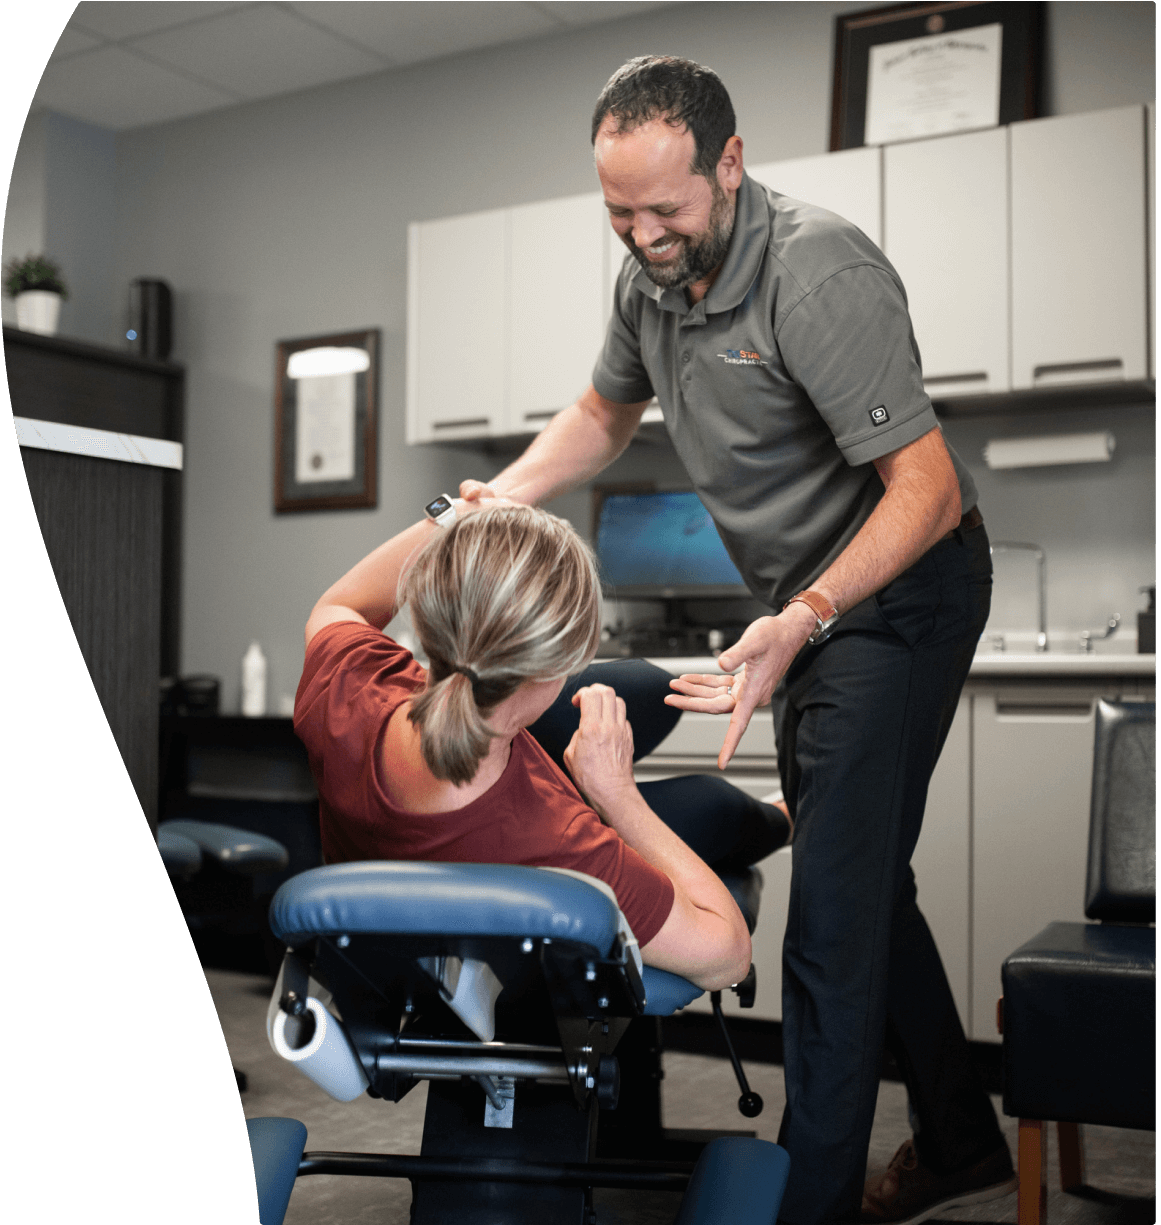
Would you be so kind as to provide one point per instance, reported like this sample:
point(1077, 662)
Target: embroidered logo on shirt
point(741, 357)
point(879, 415)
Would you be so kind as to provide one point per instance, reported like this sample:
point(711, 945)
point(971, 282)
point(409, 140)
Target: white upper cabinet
point(947, 236)
point(457, 327)
point(1078, 249)
point(557, 305)
point(848, 183)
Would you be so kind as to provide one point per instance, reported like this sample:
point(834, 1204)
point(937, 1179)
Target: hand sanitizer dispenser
point(254, 682)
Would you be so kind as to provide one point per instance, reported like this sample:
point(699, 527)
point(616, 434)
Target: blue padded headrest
point(454, 899)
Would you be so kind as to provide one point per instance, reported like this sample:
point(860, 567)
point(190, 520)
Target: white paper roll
point(1050, 449)
point(328, 1058)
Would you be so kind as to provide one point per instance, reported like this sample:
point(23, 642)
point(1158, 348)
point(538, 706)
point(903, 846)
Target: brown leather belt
point(973, 518)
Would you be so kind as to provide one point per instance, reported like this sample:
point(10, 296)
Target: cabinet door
point(947, 235)
point(942, 859)
point(1032, 778)
point(848, 183)
point(1078, 249)
point(456, 327)
point(556, 287)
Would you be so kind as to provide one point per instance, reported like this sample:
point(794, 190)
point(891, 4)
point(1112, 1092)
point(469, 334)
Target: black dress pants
point(860, 721)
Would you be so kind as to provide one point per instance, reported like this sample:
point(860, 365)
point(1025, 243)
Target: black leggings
point(728, 828)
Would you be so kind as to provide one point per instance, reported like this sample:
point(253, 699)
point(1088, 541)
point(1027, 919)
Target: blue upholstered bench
point(508, 989)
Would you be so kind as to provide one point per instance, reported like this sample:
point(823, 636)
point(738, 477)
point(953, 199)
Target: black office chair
point(1078, 1010)
point(211, 867)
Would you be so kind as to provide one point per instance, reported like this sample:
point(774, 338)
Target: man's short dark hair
point(679, 91)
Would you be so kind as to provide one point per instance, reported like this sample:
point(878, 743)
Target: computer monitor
point(660, 545)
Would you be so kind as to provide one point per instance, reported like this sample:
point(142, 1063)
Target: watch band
point(441, 510)
point(825, 613)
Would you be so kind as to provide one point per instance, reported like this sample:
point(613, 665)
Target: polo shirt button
point(685, 357)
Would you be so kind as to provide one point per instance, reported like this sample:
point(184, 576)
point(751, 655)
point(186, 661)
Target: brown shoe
point(907, 1192)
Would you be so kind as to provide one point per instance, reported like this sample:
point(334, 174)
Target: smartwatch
point(441, 511)
point(825, 613)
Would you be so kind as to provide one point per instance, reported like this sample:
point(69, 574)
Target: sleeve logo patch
point(880, 416)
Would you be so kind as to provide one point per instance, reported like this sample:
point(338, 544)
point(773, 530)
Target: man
point(777, 341)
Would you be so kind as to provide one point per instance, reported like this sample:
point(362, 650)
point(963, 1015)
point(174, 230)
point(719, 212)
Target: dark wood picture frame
point(1021, 55)
point(360, 490)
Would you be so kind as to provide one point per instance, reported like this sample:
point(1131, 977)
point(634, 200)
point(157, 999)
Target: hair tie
point(468, 673)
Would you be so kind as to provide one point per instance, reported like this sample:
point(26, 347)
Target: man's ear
point(729, 169)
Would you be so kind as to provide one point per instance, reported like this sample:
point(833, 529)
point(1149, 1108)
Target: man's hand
point(600, 754)
point(476, 491)
point(764, 652)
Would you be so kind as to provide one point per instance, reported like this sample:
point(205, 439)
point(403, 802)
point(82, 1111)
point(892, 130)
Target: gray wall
point(288, 218)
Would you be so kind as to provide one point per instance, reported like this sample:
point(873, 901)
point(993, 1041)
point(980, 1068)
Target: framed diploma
point(913, 70)
point(325, 422)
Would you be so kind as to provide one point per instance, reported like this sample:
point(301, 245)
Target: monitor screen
point(662, 545)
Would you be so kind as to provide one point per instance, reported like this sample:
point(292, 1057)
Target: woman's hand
point(712, 693)
point(600, 755)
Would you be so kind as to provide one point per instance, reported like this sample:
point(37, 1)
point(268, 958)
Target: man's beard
point(699, 254)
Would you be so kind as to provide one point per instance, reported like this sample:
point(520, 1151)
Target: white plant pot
point(37, 310)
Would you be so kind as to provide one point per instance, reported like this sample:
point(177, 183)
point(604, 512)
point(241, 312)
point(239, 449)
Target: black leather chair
point(1078, 1010)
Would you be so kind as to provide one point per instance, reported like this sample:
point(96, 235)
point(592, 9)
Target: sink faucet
point(1016, 546)
point(1088, 637)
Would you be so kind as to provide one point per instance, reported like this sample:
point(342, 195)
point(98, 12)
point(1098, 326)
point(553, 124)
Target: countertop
point(991, 664)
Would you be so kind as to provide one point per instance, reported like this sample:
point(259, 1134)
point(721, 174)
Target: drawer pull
point(542, 415)
point(462, 424)
point(939, 380)
point(1074, 372)
point(1070, 710)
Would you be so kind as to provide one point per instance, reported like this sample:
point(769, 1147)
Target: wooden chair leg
point(1032, 1168)
point(1071, 1156)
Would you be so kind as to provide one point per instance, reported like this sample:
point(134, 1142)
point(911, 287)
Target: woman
point(440, 765)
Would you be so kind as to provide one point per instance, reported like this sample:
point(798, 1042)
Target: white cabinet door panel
point(1032, 783)
point(1078, 249)
point(943, 855)
point(848, 183)
point(557, 305)
point(946, 232)
point(456, 327)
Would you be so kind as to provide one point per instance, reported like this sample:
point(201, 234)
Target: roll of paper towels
point(328, 1058)
point(1050, 449)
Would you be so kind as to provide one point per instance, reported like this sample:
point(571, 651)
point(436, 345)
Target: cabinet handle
point(542, 415)
point(462, 424)
point(936, 380)
point(1075, 372)
point(1068, 710)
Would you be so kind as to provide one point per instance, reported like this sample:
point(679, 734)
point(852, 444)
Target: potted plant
point(38, 287)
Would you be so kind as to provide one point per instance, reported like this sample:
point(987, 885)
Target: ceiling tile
point(259, 51)
point(408, 32)
point(115, 89)
point(118, 19)
point(72, 41)
point(592, 12)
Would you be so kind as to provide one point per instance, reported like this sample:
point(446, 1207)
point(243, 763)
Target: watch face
point(439, 506)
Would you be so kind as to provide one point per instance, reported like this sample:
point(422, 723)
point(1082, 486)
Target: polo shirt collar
point(743, 259)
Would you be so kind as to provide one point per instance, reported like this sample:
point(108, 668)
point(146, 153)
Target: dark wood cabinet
point(111, 529)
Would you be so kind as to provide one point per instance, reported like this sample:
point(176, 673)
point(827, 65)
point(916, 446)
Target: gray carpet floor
point(698, 1092)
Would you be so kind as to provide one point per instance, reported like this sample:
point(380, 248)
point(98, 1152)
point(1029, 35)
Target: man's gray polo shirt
point(796, 370)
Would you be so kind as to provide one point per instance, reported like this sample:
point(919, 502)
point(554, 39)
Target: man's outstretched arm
point(577, 443)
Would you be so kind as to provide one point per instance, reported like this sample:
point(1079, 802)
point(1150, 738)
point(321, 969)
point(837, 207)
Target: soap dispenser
point(254, 682)
point(1147, 624)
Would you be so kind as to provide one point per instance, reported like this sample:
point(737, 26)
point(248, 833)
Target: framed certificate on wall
point(325, 423)
point(909, 71)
